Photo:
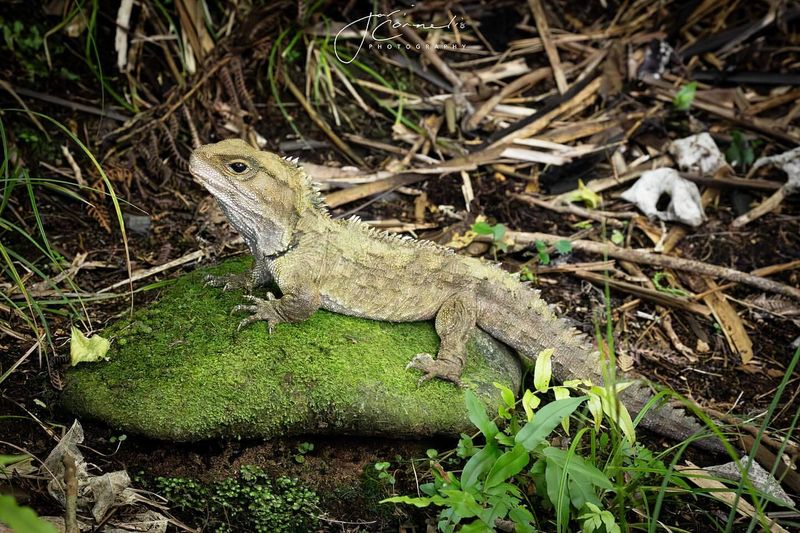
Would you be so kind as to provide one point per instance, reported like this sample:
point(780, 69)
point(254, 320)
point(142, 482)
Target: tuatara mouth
point(201, 169)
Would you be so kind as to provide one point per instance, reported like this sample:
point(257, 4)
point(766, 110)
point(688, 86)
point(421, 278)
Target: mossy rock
point(179, 371)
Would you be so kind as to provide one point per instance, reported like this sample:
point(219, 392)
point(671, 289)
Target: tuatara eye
point(238, 167)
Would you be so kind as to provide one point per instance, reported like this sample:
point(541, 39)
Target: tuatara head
point(261, 193)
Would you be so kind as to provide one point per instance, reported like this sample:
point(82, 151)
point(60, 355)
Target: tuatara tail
point(522, 320)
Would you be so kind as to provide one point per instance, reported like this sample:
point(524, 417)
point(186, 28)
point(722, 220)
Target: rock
point(684, 205)
point(697, 153)
point(179, 371)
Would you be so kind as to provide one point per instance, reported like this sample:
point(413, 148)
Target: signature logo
point(386, 20)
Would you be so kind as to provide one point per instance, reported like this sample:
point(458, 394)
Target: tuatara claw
point(433, 368)
point(260, 309)
point(228, 282)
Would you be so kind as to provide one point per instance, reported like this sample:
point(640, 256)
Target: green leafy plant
point(585, 195)
point(526, 274)
point(562, 246)
point(251, 501)
point(685, 96)
point(382, 467)
point(302, 449)
point(20, 518)
point(497, 231)
point(14, 515)
point(488, 488)
point(741, 152)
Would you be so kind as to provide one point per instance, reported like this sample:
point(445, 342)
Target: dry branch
point(610, 218)
point(658, 297)
point(665, 261)
point(550, 49)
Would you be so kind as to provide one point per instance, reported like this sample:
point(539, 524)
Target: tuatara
point(347, 267)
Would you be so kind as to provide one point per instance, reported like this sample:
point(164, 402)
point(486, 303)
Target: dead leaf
point(83, 349)
point(729, 320)
point(700, 477)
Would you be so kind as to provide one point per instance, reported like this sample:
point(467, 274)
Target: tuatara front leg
point(231, 282)
point(258, 276)
point(455, 322)
point(296, 305)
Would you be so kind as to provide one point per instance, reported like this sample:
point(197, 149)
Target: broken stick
point(666, 261)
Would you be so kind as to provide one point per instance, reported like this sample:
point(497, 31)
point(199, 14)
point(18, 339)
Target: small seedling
point(526, 274)
point(562, 246)
point(541, 249)
point(658, 282)
point(685, 96)
point(584, 194)
point(383, 472)
point(741, 152)
point(497, 231)
point(302, 449)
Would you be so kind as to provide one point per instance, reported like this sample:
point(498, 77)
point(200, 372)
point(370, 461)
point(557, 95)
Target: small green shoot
point(658, 282)
point(302, 449)
point(382, 467)
point(741, 153)
point(497, 232)
point(562, 246)
point(617, 237)
point(541, 249)
point(685, 96)
point(598, 520)
point(584, 194)
point(526, 274)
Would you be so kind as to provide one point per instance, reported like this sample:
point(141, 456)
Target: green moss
point(250, 501)
point(179, 371)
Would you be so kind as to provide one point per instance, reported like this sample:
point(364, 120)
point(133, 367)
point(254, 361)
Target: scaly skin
point(349, 268)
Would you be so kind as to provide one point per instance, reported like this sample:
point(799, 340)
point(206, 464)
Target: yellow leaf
point(543, 369)
point(87, 349)
point(596, 408)
point(584, 194)
point(530, 402)
point(615, 410)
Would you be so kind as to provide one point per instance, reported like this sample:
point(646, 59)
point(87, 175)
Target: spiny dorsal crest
point(354, 223)
point(310, 187)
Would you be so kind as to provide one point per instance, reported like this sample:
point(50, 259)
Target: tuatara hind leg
point(455, 322)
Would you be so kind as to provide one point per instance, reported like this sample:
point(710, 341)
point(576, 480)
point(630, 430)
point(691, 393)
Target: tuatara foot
point(436, 368)
point(261, 310)
point(231, 282)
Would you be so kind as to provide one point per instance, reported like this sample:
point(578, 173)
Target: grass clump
point(250, 501)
